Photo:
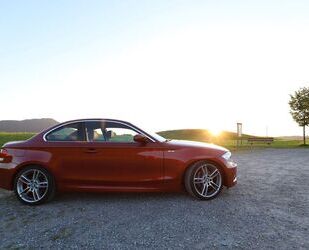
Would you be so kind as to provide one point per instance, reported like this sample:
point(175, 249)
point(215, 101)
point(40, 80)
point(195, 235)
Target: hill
point(30, 125)
point(198, 135)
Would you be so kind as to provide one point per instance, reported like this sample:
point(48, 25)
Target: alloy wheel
point(32, 185)
point(207, 180)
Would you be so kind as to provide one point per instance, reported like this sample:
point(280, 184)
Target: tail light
point(5, 157)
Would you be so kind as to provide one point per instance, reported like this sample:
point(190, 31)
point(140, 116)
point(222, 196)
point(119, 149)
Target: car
point(107, 155)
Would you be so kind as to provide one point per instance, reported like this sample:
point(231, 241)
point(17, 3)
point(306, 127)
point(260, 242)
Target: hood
point(195, 144)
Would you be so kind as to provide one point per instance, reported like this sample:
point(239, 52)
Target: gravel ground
point(269, 208)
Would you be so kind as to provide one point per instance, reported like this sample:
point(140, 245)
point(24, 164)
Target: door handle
point(91, 150)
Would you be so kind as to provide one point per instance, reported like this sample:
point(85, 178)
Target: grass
point(276, 144)
point(6, 137)
point(225, 139)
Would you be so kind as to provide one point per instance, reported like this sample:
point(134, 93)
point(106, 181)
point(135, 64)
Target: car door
point(114, 160)
point(66, 145)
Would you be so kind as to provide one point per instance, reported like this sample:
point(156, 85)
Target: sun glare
point(215, 132)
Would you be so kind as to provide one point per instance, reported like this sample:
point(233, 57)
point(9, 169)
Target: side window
point(70, 132)
point(117, 132)
point(109, 132)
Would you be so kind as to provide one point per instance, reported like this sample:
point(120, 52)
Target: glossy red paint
point(150, 165)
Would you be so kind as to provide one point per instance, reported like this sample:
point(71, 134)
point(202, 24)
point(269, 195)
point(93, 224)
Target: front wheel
point(34, 185)
point(203, 180)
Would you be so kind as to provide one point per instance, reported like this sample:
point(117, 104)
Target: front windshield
point(156, 136)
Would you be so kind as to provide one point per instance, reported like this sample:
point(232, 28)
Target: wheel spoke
point(26, 190)
point(24, 180)
point(214, 174)
point(198, 180)
point(35, 175)
point(43, 184)
point(205, 190)
point(35, 195)
point(214, 185)
point(205, 170)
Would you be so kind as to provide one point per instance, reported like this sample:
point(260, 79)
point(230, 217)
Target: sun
point(215, 132)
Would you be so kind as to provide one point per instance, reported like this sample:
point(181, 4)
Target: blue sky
point(160, 64)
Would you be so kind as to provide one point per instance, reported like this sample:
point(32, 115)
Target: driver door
point(112, 159)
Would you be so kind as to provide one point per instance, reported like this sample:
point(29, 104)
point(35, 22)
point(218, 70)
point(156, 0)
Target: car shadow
point(115, 196)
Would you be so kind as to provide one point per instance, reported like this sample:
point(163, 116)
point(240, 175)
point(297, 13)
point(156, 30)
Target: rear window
point(70, 132)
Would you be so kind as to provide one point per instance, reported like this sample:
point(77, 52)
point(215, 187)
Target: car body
point(111, 156)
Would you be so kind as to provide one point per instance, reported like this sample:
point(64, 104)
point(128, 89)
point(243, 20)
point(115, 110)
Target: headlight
point(227, 155)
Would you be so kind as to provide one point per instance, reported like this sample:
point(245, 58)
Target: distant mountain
point(30, 125)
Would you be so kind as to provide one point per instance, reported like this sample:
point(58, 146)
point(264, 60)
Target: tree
point(299, 104)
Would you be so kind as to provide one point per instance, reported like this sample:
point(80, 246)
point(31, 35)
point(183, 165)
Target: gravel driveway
point(269, 208)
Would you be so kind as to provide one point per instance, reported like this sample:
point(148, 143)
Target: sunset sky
point(158, 64)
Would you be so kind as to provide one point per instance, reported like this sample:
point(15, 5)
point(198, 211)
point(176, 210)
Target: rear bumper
point(7, 173)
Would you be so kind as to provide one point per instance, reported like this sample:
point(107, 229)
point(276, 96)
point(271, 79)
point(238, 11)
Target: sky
point(158, 64)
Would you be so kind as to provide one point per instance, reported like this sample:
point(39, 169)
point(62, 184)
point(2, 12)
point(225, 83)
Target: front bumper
point(230, 174)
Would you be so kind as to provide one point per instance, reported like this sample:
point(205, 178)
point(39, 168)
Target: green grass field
point(6, 137)
point(226, 139)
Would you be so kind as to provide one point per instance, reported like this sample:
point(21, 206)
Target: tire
point(204, 180)
point(34, 185)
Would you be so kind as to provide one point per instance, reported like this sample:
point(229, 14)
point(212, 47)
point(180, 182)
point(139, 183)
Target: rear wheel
point(204, 180)
point(34, 185)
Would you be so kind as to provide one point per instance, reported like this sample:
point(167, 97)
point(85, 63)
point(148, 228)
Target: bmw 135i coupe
point(111, 156)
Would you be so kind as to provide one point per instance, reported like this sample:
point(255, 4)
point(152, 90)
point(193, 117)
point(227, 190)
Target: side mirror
point(140, 138)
